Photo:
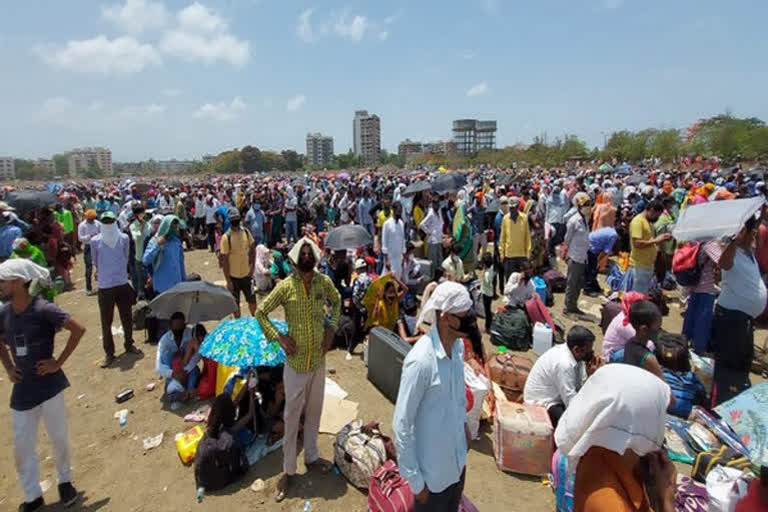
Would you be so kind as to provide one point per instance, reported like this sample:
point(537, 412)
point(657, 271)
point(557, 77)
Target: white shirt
point(555, 378)
point(393, 239)
point(741, 288)
point(453, 266)
point(432, 225)
point(86, 231)
point(165, 204)
point(199, 208)
point(210, 211)
point(577, 239)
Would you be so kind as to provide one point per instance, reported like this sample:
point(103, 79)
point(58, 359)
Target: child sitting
point(645, 317)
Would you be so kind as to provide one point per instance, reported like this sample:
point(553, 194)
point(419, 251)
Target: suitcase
point(510, 372)
point(386, 353)
point(522, 438)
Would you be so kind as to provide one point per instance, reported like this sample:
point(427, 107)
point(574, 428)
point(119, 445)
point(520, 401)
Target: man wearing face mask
point(515, 239)
point(179, 381)
point(432, 226)
point(393, 242)
point(577, 240)
point(303, 296)
point(558, 374)
point(255, 220)
point(429, 423)
point(238, 252)
point(164, 255)
point(110, 251)
point(644, 246)
point(556, 205)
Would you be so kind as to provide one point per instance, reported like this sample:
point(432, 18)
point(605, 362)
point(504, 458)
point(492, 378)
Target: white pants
point(25, 423)
point(304, 392)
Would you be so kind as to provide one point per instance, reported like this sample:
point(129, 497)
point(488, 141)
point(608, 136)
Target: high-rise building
point(81, 158)
point(7, 168)
point(408, 147)
point(319, 149)
point(366, 136)
point(471, 135)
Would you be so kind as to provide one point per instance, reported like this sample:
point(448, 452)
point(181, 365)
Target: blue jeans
point(640, 280)
point(369, 228)
point(88, 267)
point(193, 378)
point(291, 230)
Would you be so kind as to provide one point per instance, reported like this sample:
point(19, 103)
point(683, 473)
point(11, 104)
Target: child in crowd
point(645, 317)
point(487, 279)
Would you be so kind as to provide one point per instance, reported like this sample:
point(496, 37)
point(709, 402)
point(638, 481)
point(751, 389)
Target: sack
point(512, 329)
point(510, 372)
point(672, 352)
point(388, 491)
point(219, 462)
point(187, 443)
point(725, 488)
point(477, 386)
point(139, 313)
point(562, 482)
point(200, 241)
point(722, 456)
point(688, 391)
point(685, 265)
point(556, 280)
point(691, 496)
point(358, 454)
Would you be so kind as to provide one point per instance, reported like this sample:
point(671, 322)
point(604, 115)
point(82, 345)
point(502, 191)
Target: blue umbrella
point(242, 343)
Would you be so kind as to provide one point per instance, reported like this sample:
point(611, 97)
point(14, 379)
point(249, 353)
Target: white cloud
point(136, 16)
point(198, 47)
point(63, 111)
point(101, 55)
point(478, 89)
point(172, 92)
point(197, 17)
point(383, 35)
point(304, 26)
point(353, 28)
point(295, 103)
point(221, 111)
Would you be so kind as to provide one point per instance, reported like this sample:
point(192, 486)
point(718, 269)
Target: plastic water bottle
point(200, 493)
point(123, 418)
point(307, 506)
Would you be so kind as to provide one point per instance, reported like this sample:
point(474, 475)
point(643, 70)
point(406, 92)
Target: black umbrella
point(416, 187)
point(27, 201)
point(447, 183)
point(200, 301)
point(634, 180)
point(348, 236)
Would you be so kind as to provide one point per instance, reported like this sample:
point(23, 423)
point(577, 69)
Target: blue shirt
point(223, 212)
point(602, 240)
point(557, 205)
point(166, 262)
point(167, 348)
point(255, 220)
point(102, 205)
point(497, 226)
point(111, 262)
point(8, 234)
point(364, 211)
point(430, 415)
point(477, 215)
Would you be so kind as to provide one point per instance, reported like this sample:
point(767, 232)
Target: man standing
point(644, 244)
point(303, 296)
point(28, 326)
point(88, 229)
point(393, 242)
point(577, 240)
point(291, 220)
point(255, 220)
point(497, 223)
point(165, 256)
point(210, 221)
point(515, 239)
point(140, 231)
point(556, 205)
point(8, 234)
point(364, 211)
point(110, 252)
point(429, 424)
point(432, 226)
point(238, 255)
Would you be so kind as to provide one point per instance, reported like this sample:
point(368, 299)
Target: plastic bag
point(726, 487)
point(677, 446)
point(478, 385)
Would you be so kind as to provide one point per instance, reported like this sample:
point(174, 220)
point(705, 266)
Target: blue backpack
point(688, 391)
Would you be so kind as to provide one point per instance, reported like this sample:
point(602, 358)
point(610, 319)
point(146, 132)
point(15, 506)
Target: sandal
point(282, 488)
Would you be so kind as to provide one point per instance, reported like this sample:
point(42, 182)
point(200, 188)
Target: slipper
point(282, 489)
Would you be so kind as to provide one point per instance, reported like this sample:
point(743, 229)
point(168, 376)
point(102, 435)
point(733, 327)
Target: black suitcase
point(386, 352)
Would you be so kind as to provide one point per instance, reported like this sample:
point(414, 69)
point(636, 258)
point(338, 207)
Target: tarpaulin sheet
point(715, 220)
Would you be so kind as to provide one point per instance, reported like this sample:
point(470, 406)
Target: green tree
point(666, 144)
point(62, 164)
point(228, 162)
point(251, 158)
point(347, 160)
point(271, 161)
point(293, 161)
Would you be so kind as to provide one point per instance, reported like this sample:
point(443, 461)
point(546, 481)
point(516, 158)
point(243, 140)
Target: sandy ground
point(113, 472)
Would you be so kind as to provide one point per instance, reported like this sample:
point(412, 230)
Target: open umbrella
point(348, 236)
point(747, 415)
point(634, 180)
point(200, 301)
point(27, 201)
point(624, 169)
point(416, 187)
point(605, 168)
point(447, 183)
point(242, 343)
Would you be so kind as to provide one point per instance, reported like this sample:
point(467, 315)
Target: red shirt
point(761, 252)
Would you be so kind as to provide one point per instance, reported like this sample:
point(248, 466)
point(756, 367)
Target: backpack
point(556, 280)
point(512, 329)
point(358, 452)
point(219, 462)
point(685, 265)
point(562, 482)
point(388, 491)
point(688, 391)
point(672, 352)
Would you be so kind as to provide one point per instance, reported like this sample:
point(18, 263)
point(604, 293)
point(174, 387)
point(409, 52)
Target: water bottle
point(307, 506)
point(123, 419)
point(200, 492)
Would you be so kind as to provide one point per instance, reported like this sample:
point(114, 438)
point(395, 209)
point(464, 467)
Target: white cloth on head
point(23, 269)
point(110, 233)
point(448, 297)
point(296, 250)
point(621, 407)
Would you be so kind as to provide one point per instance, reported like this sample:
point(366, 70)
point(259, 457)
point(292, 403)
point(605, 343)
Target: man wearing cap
point(28, 326)
point(429, 423)
point(86, 230)
point(515, 239)
point(577, 240)
point(110, 251)
point(238, 256)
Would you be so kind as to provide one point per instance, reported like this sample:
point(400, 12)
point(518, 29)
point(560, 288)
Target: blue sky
point(172, 78)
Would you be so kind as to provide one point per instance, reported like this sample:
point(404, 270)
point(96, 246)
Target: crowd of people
point(485, 236)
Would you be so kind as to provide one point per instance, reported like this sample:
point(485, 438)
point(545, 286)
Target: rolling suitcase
point(386, 352)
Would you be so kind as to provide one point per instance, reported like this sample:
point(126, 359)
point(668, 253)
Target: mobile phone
point(20, 344)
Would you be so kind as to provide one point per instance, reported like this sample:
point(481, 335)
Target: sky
point(178, 79)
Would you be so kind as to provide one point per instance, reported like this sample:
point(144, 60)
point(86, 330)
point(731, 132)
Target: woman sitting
point(386, 309)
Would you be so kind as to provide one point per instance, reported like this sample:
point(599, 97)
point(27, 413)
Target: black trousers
point(121, 296)
point(212, 237)
point(732, 342)
point(591, 284)
point(445, 501)
point(487, 300)
point(556, 238)
point(555, 413)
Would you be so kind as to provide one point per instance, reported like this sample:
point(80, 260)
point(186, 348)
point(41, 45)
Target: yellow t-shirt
point(235, 245)
point(383, 218)
point(646, 257)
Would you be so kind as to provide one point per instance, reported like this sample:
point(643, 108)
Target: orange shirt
point(604, 484)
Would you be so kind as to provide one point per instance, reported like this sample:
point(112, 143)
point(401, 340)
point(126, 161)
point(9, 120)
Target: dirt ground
point(113, 472)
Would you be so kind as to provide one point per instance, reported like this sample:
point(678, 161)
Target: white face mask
point(110, 234)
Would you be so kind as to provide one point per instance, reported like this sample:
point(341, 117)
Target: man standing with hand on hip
point(303, 296)
point(28, 326)
point(429, 425)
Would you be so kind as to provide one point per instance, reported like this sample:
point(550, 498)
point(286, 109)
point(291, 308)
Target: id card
point(20, 344)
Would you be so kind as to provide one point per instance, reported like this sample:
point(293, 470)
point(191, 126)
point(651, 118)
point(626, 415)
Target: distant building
point(81, 158)
point(48, 165)
point(173, 166)
point(7, 168)
point(366, 136)
point(471, 135)
point(319, 149)
point(408, 148)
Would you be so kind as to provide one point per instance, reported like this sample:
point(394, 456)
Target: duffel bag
point(688, 391)
point(510, 372)
point(555, 279)
point(388, 491)
point(512, 329)
point(358, 453)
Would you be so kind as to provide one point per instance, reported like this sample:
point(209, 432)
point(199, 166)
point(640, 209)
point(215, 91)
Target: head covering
point(90, 214)
point(108, 215)
point(22, 247)
point(360, 264)
point(580, 199)
point(514, 202)
point(621, 407)
point(448, 297)
point(626, 303)
point(296, 250)
point(165, 225)
point(22, 269)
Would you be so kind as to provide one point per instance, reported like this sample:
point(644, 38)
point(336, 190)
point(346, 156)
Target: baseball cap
point(108, 215)
point(234, 214)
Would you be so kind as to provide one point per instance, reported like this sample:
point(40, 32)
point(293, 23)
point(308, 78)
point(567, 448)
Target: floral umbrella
point(242, 343)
